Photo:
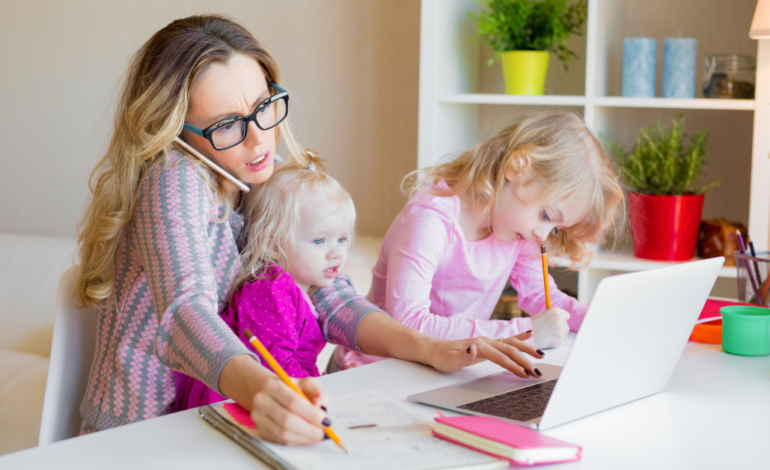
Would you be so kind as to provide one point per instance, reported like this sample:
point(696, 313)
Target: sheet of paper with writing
point(381, 434)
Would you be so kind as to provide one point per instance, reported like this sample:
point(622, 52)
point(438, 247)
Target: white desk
point(714, 413)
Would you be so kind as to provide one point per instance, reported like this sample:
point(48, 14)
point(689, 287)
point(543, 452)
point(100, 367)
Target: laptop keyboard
point(521, 404)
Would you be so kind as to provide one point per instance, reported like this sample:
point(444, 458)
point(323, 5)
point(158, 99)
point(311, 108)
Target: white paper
point(400, 439)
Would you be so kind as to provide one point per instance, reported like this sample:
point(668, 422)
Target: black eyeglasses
point(231, 131)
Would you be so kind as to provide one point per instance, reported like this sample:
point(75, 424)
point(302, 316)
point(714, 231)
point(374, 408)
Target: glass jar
point(729, 76)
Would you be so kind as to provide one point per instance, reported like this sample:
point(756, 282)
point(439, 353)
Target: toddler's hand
point(550, 328)
point(349, 366)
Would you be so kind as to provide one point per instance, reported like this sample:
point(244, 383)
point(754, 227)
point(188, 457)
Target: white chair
point(72, 352)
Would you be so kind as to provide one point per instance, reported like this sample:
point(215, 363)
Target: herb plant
point(532, 25)
point(660, 163)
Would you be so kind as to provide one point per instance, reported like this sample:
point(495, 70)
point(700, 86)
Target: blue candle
point(639, 67)
point(679, 57)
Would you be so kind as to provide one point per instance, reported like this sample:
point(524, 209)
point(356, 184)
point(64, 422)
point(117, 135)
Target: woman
point(158, 242)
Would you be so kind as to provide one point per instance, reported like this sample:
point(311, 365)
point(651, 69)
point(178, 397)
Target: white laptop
point(628, 346)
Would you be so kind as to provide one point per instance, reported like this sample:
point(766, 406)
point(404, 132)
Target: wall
point(351, 67)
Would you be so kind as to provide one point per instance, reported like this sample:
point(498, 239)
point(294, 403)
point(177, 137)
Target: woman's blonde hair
point(149, 115)
point(271, 213)
point(554, 149)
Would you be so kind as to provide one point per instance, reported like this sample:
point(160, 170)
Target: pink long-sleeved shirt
point(429, 277)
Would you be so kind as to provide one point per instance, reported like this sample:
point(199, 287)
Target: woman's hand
point(282, 416)
point(550, 328)
point(451, 356)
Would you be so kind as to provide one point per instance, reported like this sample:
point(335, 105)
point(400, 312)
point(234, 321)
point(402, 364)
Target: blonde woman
point(158, 242)
point(478, 221)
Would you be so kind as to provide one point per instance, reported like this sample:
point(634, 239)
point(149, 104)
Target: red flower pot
point(664, 227)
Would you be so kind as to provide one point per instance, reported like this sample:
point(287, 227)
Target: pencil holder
point(753, 279)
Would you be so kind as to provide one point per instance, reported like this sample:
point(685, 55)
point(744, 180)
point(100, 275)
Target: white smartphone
point(212, 165)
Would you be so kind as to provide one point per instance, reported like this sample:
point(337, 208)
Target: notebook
point(379, 433)
point(711, 312)
point(502, 439)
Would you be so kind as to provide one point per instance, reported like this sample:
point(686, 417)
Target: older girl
point(158, 241)
point(478, 221)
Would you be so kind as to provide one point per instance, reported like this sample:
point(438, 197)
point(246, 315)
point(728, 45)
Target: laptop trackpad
point(505, 381)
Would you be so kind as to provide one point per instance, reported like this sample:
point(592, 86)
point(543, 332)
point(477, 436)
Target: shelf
point(529, 100)
point(630, 263)
point(675, 103)
point(603, 101)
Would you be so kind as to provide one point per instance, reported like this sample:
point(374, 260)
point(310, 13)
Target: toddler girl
point(475, 222)
point(299, 225)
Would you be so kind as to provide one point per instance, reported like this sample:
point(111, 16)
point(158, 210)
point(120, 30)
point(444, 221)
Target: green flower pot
point(525, 72)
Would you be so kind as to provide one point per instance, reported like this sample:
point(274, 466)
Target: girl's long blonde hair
point(149, 115)
point(554, 149)
point(271, 213)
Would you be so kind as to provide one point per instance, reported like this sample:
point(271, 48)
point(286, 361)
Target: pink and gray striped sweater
point(173, 273)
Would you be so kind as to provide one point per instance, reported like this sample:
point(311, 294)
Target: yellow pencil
point(545, 277)
point(286, 379)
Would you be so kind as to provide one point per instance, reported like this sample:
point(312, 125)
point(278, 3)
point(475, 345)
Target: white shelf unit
point(462, 100)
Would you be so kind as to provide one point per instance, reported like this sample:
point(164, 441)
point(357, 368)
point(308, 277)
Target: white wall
point(351, 67)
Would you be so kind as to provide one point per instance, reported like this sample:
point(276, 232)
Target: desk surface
point(714, 413)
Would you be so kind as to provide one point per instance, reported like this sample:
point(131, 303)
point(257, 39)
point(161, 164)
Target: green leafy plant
point(660, 163)
point(532, 25)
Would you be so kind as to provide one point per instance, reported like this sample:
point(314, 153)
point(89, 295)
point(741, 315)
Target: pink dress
point(282, 316)
point(429, 277)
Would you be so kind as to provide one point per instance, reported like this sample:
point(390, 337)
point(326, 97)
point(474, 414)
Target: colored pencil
point(544, 258)
point(760, 282)
point(748, 268)
point(286, 379)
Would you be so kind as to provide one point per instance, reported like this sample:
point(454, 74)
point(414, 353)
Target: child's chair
point(72, 351)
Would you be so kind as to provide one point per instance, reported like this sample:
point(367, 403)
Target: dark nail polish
point(326, 436)
point(539, 374)
point(324, 408)
point(528, 372)
point(540, 352)
point(468, 350)
point(326, 422)
point(528, 331)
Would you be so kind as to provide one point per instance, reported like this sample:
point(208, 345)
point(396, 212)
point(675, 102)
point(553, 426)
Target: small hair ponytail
point(313, 161)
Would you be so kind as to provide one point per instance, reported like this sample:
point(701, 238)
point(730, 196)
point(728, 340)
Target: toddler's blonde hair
point(554, 149)
point(271, 213)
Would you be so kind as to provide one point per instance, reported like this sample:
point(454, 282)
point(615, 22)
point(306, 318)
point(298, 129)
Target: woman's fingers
point(270, 430)
point(281, 415)
point(517, 343)
point(506, 356)
point(524, 336)
point(312, 389)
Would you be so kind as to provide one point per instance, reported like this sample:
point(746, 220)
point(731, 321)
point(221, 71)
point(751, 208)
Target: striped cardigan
point(174, 271)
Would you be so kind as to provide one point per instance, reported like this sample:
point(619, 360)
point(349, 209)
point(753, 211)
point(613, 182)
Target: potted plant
point(525, 32)
point(666, 199)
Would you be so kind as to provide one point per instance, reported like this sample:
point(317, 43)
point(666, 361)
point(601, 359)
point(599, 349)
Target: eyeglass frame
point(207, 132)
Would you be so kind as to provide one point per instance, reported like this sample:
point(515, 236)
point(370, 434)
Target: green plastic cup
point(746, 330)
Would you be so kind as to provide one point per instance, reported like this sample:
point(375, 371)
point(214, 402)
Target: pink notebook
point(711, 312)
point(499, 438)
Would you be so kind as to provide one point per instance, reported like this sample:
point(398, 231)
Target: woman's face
point(226, 90)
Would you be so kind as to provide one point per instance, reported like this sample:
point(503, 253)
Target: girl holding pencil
point(479, 220)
